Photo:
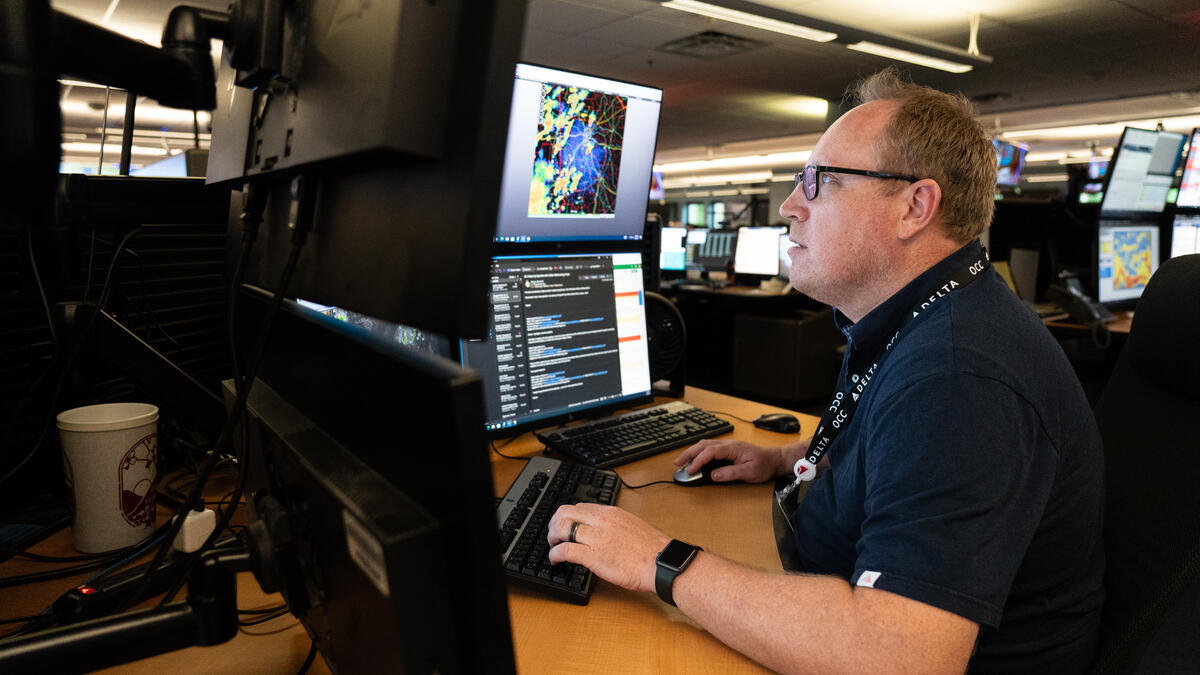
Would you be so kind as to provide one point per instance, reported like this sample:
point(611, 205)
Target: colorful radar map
point(1131, 259)
point(578, 153)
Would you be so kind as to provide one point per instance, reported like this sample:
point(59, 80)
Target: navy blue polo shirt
point(970, 477)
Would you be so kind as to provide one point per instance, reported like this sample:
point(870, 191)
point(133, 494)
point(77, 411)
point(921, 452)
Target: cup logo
point(136, 474)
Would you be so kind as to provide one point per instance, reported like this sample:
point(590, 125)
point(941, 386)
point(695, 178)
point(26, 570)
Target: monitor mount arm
point(208, 617)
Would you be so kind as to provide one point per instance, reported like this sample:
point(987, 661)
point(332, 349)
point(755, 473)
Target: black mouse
point(781, 422)
point(701, 477)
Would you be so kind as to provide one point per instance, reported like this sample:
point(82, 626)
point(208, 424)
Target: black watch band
point(670, 563)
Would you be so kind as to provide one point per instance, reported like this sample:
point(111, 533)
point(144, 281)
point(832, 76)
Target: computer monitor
point(415, 338)
point(757, 251)
point(1127, 257)
point(398, 118)
point(369, 474)
point(1141, 172)
point(672, 255)
point(696, 236)
point(715, 254)
point(1185, 234)
point(578, 159)
point(566, 339)
point(1010, 160)
point(1189, 187)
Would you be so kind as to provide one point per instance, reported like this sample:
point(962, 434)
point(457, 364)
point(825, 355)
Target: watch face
point(676, 554)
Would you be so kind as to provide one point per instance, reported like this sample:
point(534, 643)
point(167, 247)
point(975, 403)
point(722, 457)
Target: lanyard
point(843, 404)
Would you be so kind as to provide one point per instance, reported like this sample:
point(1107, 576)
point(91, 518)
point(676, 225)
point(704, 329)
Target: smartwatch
point(671, 562)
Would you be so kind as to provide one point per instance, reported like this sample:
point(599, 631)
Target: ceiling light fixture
point(889, 45)
point(910, 57)
point(749, 19)
point(742, 162)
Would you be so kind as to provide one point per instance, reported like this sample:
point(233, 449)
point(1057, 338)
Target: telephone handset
point(1078, 306)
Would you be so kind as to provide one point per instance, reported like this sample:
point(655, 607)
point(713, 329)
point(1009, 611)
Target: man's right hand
point(751, 463)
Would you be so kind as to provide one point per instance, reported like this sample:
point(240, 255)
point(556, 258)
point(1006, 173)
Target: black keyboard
point(623, 438)
point(524, 514)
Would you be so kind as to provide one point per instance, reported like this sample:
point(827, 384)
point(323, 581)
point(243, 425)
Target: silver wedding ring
point(571, 533)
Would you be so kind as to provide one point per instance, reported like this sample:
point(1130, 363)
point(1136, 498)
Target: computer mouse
point(701, 477)
point(781, 422)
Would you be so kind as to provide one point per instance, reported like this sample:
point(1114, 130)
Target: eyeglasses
point(811, 175)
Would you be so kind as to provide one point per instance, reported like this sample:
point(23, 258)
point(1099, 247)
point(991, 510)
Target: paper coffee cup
point(110, 457)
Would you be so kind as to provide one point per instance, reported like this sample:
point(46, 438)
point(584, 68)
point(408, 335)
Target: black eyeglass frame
point(817, 169)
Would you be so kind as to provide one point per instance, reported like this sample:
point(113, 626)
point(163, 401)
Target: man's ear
point(923, 204)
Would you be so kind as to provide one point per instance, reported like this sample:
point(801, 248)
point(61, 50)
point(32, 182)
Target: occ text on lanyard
point(843, 404)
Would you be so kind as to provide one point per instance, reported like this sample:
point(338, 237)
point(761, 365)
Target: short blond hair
point(935, 135)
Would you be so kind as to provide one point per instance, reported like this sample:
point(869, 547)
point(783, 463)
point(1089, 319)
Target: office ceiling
point(1055, 62)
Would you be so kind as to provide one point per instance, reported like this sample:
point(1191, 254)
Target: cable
point(308, 661)
point(22, 579)
point(495, 450)
point(304, 193)
point(20, 619)
point(264, 619)
point(268, 610)
point(740, 419)
point(104, 292)
point(639, 487)
point(41, 289)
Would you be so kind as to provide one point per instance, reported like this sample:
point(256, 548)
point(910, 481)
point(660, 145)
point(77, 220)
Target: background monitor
point(1185, 234)
point(1127, 257)
point(1141, 172)
point(672, 255)
point(717, 250)
point(1189, 187)
point(656, 186)
point(578, 158)
point(1010, 160)
point(566, 339)
point(757, 250)
point(696, 236)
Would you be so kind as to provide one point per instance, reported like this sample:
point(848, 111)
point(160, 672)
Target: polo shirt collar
point(871, 332)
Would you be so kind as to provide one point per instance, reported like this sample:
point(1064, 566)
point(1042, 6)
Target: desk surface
point(618, 631)
point(1120, 325)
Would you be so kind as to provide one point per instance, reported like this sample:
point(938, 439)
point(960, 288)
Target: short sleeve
point(957, 477)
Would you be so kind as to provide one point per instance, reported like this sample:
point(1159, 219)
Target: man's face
point(842, 236)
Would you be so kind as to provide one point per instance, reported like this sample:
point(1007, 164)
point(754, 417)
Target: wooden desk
point(628, 632)
point(619, 631)
point(1121, 325)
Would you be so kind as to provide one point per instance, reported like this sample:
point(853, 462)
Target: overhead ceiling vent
point(710, 45)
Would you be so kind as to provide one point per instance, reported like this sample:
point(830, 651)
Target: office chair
point(1148, 415)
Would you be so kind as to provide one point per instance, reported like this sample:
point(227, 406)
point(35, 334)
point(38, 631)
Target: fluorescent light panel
point(752, 20)
point(911, 57)
point(741, 162)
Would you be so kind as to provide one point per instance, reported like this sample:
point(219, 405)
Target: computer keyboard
point(613, 441)
point(524, 515)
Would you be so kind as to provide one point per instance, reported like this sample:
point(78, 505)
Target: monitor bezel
point(1107, 222)
point(1112, 167)
point(1193, 146)
point(597, 410)
point(507, 243)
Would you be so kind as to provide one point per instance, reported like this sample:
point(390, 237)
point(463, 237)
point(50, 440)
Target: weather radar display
point(578, 152)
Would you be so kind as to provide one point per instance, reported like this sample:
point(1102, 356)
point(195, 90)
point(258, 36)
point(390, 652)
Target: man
point(957, 522)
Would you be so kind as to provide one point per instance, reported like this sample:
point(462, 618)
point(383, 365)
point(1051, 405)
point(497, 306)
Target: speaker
point(666, 339)
point(651, 249)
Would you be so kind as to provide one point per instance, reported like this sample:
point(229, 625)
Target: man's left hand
point(614, 544)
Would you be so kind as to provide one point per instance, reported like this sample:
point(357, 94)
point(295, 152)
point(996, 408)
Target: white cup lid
point(107, 417)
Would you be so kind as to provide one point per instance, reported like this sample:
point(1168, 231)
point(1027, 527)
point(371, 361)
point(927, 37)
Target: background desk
point(618, 632)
